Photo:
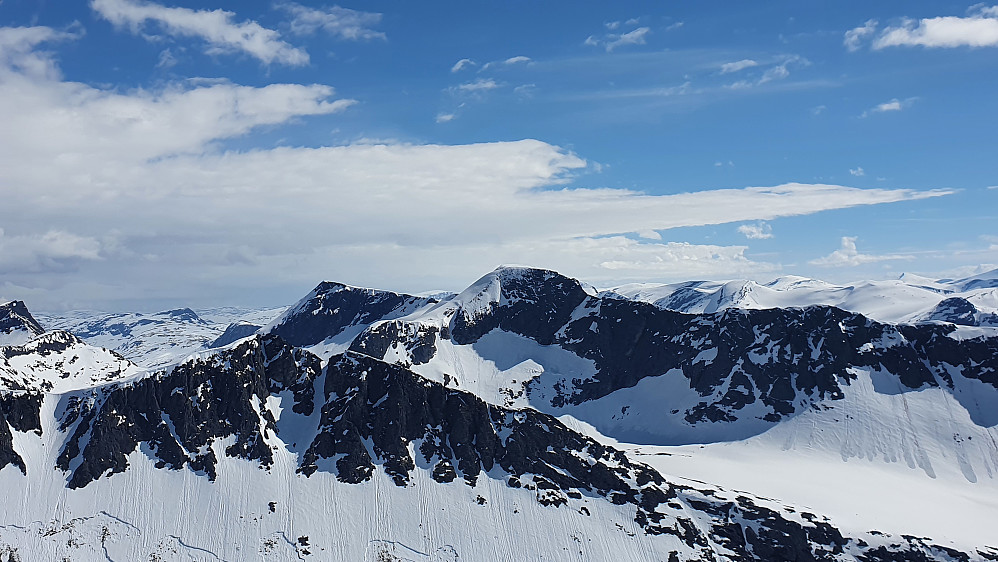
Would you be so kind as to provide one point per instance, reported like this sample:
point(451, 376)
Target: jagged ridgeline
point(353, 428)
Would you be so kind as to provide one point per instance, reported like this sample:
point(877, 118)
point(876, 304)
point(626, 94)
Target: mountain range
point(527, 417)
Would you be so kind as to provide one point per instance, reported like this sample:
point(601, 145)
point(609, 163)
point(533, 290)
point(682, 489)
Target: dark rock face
point(234, 332)
point(181, 412)
point(14, 316)
point(534, 303)
point(960, 311)
point(21, 413)
point(332, 307)
point(419, 341)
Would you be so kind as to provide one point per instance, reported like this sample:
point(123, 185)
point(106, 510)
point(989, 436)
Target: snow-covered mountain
point(159, 339)
point(971, 301)
point(17, 326)
point(525, 418)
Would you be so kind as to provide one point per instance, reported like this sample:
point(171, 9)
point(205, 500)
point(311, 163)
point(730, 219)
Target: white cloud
point(889, 106)
point(18, 50)
point(757, 231)
point(148, 206)
point(636, 37)
point(445, 117)
point(508, 62)
point(993, 187)
point(730, 67)
point(611, 41)
point(854, 37)
point(525, 90)
point(980, 29)
point(51, 251)
point(781, 70)
point(166, 59)
point(848, 256)
point(857, 171)
point(461, 65)
point(674, 26)
point(344, 23)
point(777, 71)
point(480, 85)
point(216, 27)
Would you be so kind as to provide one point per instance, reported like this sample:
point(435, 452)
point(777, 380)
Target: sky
point(155, 155)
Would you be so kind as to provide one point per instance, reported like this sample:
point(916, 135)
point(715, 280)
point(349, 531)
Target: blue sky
point(158, 154)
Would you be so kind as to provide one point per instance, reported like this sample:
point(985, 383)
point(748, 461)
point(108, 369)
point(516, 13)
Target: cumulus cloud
point(730, 67)
point(979, 29)
point(342, 23)
point(757, 231)
point(149, 206)
point(854, 37)
point(217, 28)
point(848, 256)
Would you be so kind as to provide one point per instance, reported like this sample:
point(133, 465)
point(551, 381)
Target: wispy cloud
point(462, 64)
point(857, 171)
point(217, 28)
point(730, 67)
point(480, 85)
point(612, 41)
point(445, 117)
point(519, 59)
point(757, 231)
point(342, 23)
point(848, 256)
point(854, 38)
point(776, 71)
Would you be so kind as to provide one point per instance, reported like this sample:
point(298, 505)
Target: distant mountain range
point(528, 417)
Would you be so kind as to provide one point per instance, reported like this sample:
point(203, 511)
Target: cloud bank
point(150, 205)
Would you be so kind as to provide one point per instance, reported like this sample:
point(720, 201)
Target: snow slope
point(907, 299)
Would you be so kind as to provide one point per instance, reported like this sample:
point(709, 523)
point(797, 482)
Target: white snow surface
point(146, 513)
point(905, 300)
point(154, 340)
point(77, 366)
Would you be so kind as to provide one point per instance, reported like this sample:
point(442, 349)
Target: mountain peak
point(17, 326)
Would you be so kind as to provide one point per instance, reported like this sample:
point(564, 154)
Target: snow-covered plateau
point(528, 417)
